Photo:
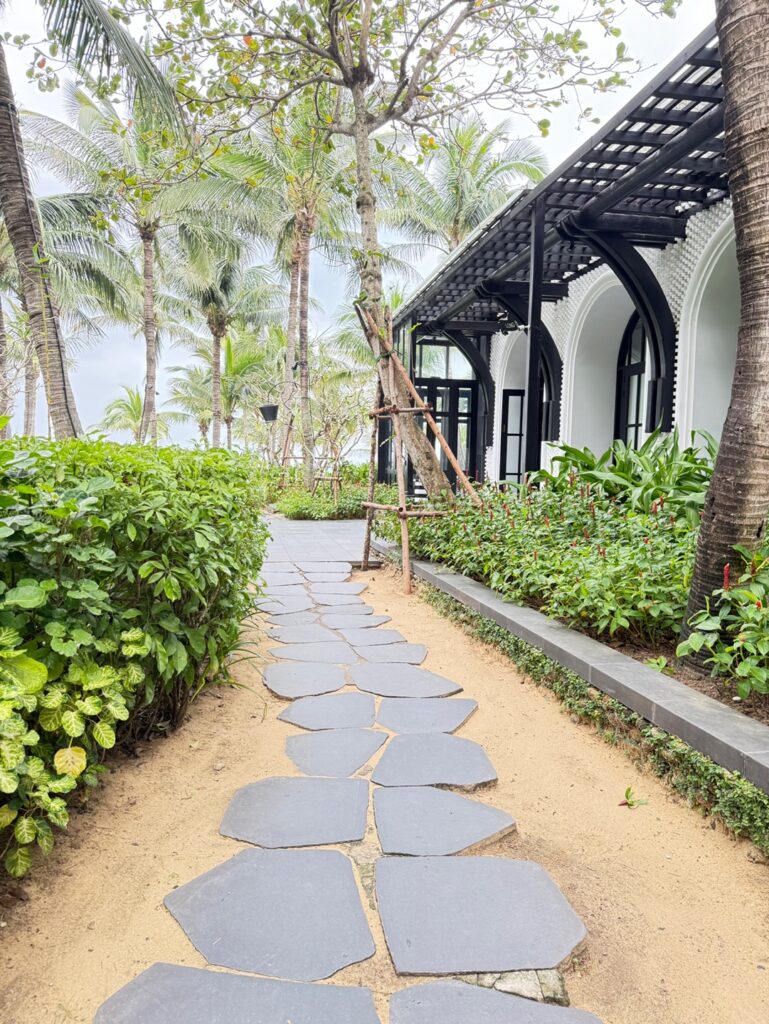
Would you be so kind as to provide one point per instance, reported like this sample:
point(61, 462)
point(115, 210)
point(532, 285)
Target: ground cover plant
point(298, 503)
point(124, 576)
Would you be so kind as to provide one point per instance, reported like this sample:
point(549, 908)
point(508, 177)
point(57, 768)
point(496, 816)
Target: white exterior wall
point(699, 277)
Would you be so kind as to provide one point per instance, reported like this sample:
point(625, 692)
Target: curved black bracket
point(649, 299)
point(551, 357)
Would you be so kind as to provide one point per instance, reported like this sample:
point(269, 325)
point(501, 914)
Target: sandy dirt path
point(678, 917)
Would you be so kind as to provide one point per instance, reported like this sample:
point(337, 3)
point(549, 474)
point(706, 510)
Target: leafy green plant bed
point(301, 504)
point(725, 796)
point(124, 576)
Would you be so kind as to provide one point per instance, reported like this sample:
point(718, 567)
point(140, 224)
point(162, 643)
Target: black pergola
point(632, 186)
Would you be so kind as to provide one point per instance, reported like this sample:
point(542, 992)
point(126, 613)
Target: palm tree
point(191, 396)
point(87, 33)
point(126, 415)
point(468, 177)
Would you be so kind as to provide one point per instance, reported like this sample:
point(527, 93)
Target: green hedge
point(123, 581)
point(300, 504)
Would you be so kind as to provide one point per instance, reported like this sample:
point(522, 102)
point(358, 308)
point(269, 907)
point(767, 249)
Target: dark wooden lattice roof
point(681, 105)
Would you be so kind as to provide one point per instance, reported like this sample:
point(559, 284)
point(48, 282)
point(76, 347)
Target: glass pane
point(513, 457)
point(463, 433)
point(459, 367)
point(632, 399)
point(637, 345)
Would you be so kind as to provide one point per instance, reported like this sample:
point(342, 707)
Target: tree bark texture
point(149, 426)
point(216, 386)
point(287, 394)
point(31, 375)
point(737, 502)
point(26, 237)
point(308, 469)
point(417, 444)
point(6, 397)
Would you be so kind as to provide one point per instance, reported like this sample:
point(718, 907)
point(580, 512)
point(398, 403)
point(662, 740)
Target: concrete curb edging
point(726, 736)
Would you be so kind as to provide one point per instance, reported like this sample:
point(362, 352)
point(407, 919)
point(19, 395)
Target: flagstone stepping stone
point(456, 915)
point(434, 759)
point(338, 588)
point(281, 579)
point(310, 634)
point(336, 752)
point(454, 1002)
point(291, 681)
point(335, 711)
point(341, 620)
point(394, 654)
point(294, 619)
point(335, 653)
point(269, 566)
point(348, 609)
point(310, 566)
point(332, 600)
point(406, 714)
point(285, 605)
point(401, 681)
point(371, 637)
point(421, 821)
point(327, 577)
point(167, 994)
point(293, 914)
point(282, 812)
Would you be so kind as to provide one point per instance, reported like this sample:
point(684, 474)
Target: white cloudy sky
point(101, 371)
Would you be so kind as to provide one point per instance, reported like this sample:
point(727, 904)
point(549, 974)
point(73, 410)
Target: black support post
point(536, 269)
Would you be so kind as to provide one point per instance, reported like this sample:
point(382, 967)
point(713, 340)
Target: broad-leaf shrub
point(301, 504)
point(124, 576)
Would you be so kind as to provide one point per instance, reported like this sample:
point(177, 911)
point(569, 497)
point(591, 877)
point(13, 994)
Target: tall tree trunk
point(149, 425)
point(216, 386)
point(6, 402)
point(26, 237)
point(31, 375)
point(418, 446)
point(228, 424)
point(308, 470)
point(737, 502)
point(287, 394)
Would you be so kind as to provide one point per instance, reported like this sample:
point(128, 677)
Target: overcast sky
point(119, 360)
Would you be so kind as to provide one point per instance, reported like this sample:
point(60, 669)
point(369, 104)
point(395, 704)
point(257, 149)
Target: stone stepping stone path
point(433, 759)
point(454, 915)
point(423, 822)
point(333, 752)
point(425, 714)
point(290, 916)
point(453, 1002)
point(286, 812)
point(333, 711)
point(165, 994)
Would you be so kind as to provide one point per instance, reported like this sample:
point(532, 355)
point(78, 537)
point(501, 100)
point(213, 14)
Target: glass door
point(511, 456)
point(453, 407)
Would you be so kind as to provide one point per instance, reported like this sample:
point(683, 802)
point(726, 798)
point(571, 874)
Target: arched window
point(630, 414)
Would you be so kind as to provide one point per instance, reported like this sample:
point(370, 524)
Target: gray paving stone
point(338, 619)
point(335, 752)
point(307, 565)
point(334, 711)
point(394, 654)
point(336, 600)
point(284, 812)
point(284, 605)
point(292, 914)
point(311, 634)
point(281, 579)
point(327, 577)
point(338, 588)
point(454, 1002)
point(421, 821)
point(401, 681)
point(371, 637)
point(292, 681)
point(434, 759)
point(167, 994)
point(327, 653)
point(294, 619)
point(456, 915)
point(430, 714)
point(278, 593)
point(348, 609)
point(269, 566)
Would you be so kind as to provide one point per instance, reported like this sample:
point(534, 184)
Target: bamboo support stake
point(368, 505)
point(398, 455)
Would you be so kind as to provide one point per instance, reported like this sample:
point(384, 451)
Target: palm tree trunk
point(31, 374)
point(418, 446)
point(216, 387)
point(308, 471)
point(26, 237)
point(287, 395)
point(228, 424)
point(6, 403)
point(149, 424)
point(736, 506)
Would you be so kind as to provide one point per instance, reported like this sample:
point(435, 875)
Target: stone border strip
point(726, 736)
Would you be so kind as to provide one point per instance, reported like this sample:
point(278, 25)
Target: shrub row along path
point(290, 910)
